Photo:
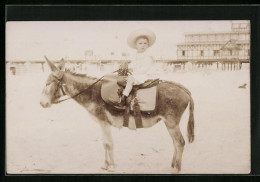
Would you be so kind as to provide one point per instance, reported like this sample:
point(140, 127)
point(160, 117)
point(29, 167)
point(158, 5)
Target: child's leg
point(129, 85)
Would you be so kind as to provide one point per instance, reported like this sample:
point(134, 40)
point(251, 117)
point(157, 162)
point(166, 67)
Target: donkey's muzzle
point(45, 105)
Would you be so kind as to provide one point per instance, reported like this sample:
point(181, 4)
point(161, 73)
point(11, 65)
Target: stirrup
point(122, 102)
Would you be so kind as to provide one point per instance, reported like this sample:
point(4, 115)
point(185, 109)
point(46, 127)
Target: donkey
point(172, 101)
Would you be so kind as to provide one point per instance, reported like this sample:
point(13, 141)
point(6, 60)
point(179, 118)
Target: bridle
point(59, 83)
point(58, 80)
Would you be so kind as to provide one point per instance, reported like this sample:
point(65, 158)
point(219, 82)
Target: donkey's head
point(53, 87)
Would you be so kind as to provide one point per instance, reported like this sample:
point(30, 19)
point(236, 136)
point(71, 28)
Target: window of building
point(211, 53)
point(216, 53)
point(235, 25)
point(222, 37)
point(234, 36)
point(195, 53)
point(195, 38)
point(244, 25)
point(211, 37)
point(188, 38)
point(227, 37)
point(183, 53)
point(206, 53)
point(189, 52)
point(242, 36)
point(203, 37)
point(247, 37)
point(201, 53)
point(235, 53)
point(219, 37)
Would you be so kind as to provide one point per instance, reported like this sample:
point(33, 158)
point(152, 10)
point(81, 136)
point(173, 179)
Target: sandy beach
point(64, 139)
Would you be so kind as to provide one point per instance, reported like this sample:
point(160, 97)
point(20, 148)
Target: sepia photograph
point(128, 97)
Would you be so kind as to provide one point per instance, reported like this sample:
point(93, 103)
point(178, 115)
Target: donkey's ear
point(61, 65)
point(51, 65)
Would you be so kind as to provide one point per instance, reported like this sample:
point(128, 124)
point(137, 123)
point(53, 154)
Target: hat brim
point(131, 40)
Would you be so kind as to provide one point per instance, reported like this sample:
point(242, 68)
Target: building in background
point(217, 46)
point(217, 50)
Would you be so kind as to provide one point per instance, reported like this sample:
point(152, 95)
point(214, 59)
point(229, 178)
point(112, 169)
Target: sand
point(63, 139)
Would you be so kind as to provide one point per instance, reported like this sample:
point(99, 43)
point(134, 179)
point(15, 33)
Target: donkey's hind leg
point(178, 142)
point(108, 146)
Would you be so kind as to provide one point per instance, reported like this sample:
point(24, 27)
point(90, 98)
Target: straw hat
point(131, 40)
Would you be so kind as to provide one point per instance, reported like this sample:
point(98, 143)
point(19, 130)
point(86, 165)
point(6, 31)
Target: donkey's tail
point(190, 126)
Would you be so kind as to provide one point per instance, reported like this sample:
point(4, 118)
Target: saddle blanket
point(146, 97)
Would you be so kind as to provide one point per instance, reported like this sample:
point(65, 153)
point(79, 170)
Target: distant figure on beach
point(140, 67)
point(243, 86)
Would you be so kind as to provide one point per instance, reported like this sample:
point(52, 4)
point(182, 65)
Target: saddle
point(142, 98)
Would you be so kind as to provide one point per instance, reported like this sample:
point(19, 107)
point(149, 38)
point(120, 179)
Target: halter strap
point(61, 76)
point(58, 79)
point(61, 86)
point(59, 101)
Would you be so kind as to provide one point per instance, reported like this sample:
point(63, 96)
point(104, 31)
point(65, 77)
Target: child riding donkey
point(100, 99)
point(140, 68)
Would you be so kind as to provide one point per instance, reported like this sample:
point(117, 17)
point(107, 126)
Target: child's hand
point(123, 66)
point(123, 69)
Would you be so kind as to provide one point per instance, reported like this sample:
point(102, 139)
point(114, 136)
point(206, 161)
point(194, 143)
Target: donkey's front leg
point(108, 146)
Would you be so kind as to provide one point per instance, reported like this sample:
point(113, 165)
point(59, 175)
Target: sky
point(70, 39)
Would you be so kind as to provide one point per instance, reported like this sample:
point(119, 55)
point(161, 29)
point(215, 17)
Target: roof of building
point(213, 33)
point(212, 42)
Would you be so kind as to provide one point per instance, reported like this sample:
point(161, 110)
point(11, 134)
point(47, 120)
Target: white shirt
point(141, 67)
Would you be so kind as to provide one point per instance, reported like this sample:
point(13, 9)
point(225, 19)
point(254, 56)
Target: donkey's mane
point(79, 74)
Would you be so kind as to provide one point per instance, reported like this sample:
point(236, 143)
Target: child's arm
point(123, 69)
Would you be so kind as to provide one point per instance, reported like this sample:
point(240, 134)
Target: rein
point(59, 101)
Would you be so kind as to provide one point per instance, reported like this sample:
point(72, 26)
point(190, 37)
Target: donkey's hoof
point(173, 165)
point(175, 171)
point(111, 168)
point(104, 167)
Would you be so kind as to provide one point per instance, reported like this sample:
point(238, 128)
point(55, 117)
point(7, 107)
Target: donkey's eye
point(48, 83)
